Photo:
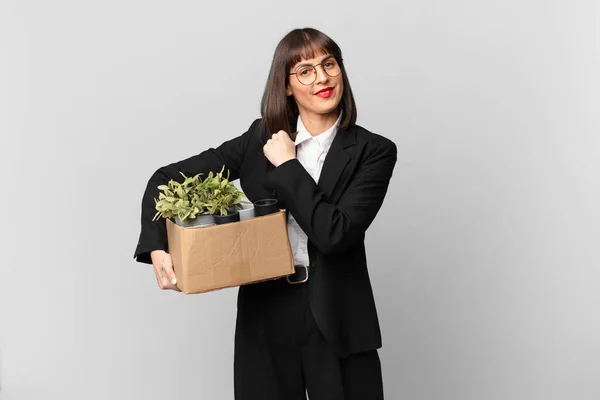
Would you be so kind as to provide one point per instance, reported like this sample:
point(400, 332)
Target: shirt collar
point(324, 139)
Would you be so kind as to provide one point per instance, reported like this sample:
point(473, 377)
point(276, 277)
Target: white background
point(484, 258)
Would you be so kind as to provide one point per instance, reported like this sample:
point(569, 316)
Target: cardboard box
point(234, 254)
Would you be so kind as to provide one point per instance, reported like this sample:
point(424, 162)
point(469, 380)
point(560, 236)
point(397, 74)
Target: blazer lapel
point(336, 160)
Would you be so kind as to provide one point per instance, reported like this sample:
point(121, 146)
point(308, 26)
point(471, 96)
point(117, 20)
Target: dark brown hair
point(280, 112)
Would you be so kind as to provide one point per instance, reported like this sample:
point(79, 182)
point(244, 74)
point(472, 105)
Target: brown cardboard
point(221, 256)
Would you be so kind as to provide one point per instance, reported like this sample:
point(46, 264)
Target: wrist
point(286, 160)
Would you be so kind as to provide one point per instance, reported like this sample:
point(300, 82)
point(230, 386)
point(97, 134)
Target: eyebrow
point(310, 65)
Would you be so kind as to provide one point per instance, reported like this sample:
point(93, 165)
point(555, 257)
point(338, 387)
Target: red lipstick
point(325, 93)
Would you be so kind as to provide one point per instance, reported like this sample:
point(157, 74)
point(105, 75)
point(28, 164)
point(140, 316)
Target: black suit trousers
point(280, 353)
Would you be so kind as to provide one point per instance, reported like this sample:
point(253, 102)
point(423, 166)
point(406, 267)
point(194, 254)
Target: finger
point(283, 135)
point(171, 280)
point(157, 257)
point(167, 266)
point(171, 287)
point(166, 285)
point(157, 272)
point(162, 263)
point(162, 277)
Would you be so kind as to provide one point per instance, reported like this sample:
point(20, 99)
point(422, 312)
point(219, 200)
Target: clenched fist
point(280, 148)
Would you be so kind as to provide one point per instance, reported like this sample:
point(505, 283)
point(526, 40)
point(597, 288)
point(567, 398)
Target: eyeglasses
point(307, 74)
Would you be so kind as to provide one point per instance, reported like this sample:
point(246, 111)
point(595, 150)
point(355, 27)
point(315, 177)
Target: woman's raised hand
point(279, 149)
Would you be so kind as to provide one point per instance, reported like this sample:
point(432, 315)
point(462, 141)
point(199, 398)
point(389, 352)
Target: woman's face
point(321, 97)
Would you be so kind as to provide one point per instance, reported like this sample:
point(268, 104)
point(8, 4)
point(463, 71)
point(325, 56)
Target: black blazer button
point(274, 193)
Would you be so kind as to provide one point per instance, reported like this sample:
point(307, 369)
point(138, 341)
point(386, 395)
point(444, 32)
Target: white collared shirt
point(311, 152)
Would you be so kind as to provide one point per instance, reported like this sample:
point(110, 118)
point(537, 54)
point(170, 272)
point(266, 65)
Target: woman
point(317, 330)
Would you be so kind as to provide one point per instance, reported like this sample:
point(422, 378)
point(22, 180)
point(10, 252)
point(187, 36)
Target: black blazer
point(334, 214)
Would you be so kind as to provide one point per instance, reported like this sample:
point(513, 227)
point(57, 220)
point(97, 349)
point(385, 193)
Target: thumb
point(168, 267)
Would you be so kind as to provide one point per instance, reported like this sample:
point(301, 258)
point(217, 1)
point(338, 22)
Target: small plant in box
point(184, 202)
point(223, 198)
point(195, 202)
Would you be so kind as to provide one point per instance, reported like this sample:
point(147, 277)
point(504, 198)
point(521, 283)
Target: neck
point(316, 124)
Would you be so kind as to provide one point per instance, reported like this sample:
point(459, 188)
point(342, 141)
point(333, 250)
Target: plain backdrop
point(484, 257)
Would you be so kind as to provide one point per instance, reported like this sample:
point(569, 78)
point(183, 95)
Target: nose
point(321, 75)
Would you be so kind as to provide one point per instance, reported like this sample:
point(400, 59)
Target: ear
point(288, 91)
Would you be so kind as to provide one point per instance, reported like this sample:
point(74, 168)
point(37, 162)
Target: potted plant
point(223, 199)
point(184, 202)
point(197, 202)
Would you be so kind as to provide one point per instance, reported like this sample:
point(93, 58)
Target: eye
point(329, 64)
point(304, 71)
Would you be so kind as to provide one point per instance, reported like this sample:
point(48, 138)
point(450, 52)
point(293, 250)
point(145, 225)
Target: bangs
point(306, 47)
point(279, 110)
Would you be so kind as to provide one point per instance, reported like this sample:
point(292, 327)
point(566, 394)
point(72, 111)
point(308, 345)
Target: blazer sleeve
point(153, 235)
point(333, 228)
